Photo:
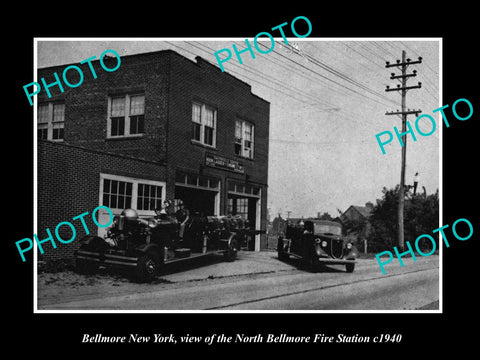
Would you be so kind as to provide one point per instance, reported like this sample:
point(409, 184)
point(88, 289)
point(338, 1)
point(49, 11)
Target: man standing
point(416, 179)
point(182, 216)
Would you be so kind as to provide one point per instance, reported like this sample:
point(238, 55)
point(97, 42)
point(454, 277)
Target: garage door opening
point(197, 200)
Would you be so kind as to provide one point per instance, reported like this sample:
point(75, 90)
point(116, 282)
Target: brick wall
point(86, 106)
point(68, 179)
point(203, 82)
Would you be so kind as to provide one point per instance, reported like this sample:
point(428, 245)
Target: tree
point(324, 216)
point(420, 217)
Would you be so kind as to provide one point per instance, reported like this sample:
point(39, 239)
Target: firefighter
point(182, 216)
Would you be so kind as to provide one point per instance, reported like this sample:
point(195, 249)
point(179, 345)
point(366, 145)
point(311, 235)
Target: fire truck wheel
point(148, 266)
point(231, 253)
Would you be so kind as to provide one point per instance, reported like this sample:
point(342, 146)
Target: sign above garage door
point(224, 163)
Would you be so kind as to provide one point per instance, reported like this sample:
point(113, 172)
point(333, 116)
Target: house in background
point(355, 221)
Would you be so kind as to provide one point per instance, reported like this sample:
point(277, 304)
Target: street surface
point(255, 281)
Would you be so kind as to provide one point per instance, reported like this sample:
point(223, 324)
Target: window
point(204, 119)
point(243, 189)
point(244, 139)
point(117, 194)
point(120, 192)
point(205, 182)
point(238, 206)
point(121, 125)
point(149, 197)
point(51, 121)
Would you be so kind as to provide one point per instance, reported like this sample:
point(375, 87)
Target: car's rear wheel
point(231, 253)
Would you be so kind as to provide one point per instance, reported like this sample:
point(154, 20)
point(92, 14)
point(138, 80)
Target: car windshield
point(324, 228)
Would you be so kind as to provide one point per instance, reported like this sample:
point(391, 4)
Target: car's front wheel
point(350, 267)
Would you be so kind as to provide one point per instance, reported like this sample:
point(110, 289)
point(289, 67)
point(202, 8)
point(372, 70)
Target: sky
point(327, 102)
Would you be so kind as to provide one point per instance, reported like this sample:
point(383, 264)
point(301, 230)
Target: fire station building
point(160, 127)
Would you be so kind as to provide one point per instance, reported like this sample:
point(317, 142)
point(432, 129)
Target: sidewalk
point(247, 262)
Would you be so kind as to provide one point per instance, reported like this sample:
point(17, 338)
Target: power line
point(325, 77)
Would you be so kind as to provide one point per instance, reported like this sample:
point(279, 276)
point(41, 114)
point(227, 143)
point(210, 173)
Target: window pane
point(128, 202)
point(113, 201)
point(121, 202)
point(208, 117)
point(42, 115)
point(114, 187)
point(137, 105)
point(57, 134)
point(129, 189)
point(118, 126)
point(208, 138)
point(248, 131)
point(106, 185)
point(238, 149)
point(238, 131)
point(121, 187)
point(136, 124)
point(196, 131)
point(196, 113)
point(58, 112)
point(118, 107)
point(42, 131)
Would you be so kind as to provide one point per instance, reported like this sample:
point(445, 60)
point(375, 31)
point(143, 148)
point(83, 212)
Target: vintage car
point(317, 242)
point(145, 245)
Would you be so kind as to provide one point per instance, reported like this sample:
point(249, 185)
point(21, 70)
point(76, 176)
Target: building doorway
point(197, 200)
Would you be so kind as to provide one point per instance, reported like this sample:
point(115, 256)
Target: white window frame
point(247, 153)
point(127, 115)
point(50, 123)
point(135, 182)
point(203, 108)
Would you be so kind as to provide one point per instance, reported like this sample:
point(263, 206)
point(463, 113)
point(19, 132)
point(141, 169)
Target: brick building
point(160, 127)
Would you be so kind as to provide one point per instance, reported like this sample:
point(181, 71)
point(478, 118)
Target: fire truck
point(145, 245)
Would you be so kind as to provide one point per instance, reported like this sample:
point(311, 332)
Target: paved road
point(259, 281)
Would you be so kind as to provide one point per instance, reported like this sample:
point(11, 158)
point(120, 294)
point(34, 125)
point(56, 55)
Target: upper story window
point(51, 121)
point(244, 139)
point(126, 115)
point(204, 123)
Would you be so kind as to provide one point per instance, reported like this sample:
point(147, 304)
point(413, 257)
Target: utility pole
point(403, 65)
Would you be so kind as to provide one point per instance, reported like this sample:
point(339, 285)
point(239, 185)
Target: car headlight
point(324, 243)
point(349, 246)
